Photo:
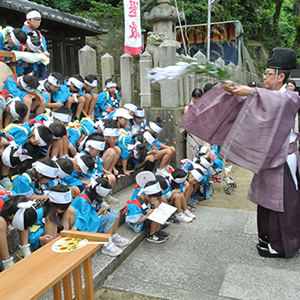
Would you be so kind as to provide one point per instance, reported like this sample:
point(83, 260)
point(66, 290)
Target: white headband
point(38, 137)
point(140, 113)
point(151, 189)
point(198, 176)
point(25, 86)
point(93, 84)
point(111, 132)
point(14, 39)
point(203, 149)
point(98, 145)
point(99, 124)
point(100, 190)
point(18, 220)
point(155, 127)
point(136, 153)
point(149, 138)
point(7, 152)
point(76, 82)
point(111, 84)
point(122, 113)
point(33, 14)
point(83, 167)
point(45, 170)
point(60, 197)
point(32, 46)
point(61, 173)
point(130, 106)
point(204, 162)
point(51, 79)
point(62, 117)
point(13, 111)
point(179, 180)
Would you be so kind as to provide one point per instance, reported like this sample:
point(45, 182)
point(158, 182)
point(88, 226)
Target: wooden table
point(34, 275)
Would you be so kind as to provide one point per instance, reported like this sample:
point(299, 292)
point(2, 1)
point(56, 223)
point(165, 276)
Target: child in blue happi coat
point(94, 146)
point(177, 181)
point(32, 23)
point(138, 123)
point(25, 87)
point(107, 101)
point(164, 151)
point(83, 165)
point(10, 38)
point(30, 183)
point(20, 213)
point(97, 218)
point(138, 210)
point(90, 83)
point(50, 88)
point(11, 110)
point(55, 215)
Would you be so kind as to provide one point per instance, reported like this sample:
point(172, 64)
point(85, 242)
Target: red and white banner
point(133, 34)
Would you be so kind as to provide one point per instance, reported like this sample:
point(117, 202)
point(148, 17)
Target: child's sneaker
point(120, 241)
point(156, 238)
point(163, 234)
point(112, 200)
point(189, 214)
point(111, 249)
point(162, 172)
point(184, 218)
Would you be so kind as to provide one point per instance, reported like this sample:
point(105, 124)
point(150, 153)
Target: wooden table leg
point(88, 279)
point(67, 287)
point(57, 291)
point(77, 283)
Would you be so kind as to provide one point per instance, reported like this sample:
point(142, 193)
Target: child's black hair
point(20, 35)
point(177, 173)
point(140, 135)
point(10, 208)
point(31, 81)
point(64, 110)
point(21, 109)
point(66, 165)
point(34, 38)
point(32, 9)
point(59, 130)
point(208, 86)
point(152, 182)
point(91, 192)
point(60, 79)
point(108, 80)
point(50, 208)
point(162, 182)
point(158, 121)
point(196, 93)
point(110, 123)
point(90, 78)
point(95, 136)
point(141, 152)
point(88, 161)
point(46, 134)
point(78, 77)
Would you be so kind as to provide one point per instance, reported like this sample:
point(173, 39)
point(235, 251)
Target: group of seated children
point(63, 147)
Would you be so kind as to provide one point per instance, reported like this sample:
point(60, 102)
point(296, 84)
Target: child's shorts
point(146, 224)
point(107, 221)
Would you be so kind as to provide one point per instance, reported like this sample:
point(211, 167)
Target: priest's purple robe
point(254, 133)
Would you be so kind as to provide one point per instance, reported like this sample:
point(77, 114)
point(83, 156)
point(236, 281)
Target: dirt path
point(239, 199)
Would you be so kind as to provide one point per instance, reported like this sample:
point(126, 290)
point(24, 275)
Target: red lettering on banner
point(133, 8)
point(134, 31)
